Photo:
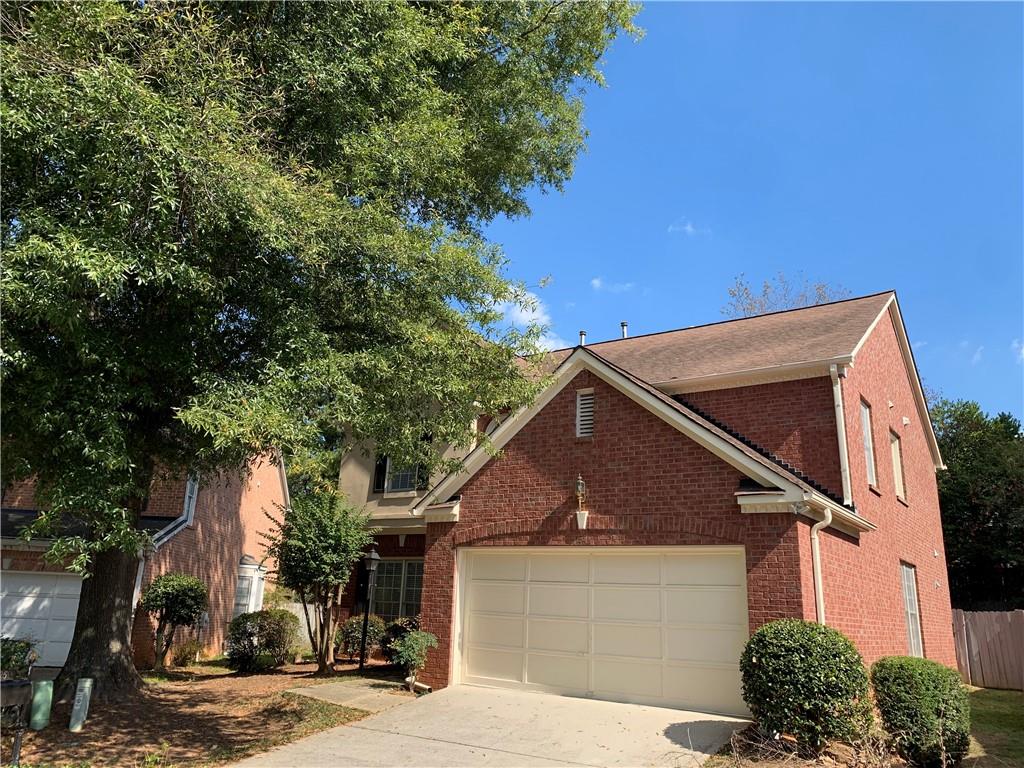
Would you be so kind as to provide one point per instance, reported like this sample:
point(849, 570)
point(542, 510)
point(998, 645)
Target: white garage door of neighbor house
point(41, 607)
point(651, 626)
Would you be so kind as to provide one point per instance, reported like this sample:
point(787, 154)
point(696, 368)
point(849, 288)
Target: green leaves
point(177, 599)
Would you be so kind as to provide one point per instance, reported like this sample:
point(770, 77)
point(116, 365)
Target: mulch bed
point(200, 715)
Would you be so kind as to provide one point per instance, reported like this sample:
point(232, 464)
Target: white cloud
point(535, 313)
point(687, 227)
point(1018, 350)
point(919, 345)
point(976, 357)
point(598, 284)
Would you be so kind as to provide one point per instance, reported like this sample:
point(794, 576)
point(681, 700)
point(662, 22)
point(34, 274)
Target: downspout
point(844, 458)
point(819, 590)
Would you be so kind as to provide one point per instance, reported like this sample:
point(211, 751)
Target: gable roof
point(822, 333)
point(752, 461)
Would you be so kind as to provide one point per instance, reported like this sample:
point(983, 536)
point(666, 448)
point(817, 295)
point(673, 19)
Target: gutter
point(844, 457)
point(819, 590)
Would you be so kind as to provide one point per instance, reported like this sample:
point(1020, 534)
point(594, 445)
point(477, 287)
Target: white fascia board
point(752, 376)
point(581, 359)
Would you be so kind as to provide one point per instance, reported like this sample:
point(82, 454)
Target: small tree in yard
point(176, 600)
point(411, 652)
point(315, 547)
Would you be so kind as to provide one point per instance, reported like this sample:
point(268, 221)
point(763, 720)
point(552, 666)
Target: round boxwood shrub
point(261, 639)
point(350, 635)
point(924, 708)
point(805, 680)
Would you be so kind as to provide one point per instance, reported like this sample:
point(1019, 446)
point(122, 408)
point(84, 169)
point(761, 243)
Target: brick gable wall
point(862, 579)
point(647, 485)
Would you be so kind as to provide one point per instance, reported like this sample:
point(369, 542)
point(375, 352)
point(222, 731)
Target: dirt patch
point(200, 715)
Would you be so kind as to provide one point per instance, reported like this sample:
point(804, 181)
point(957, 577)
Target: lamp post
point(370, 561)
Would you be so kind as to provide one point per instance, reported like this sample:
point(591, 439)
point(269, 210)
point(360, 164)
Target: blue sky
point(872, 145)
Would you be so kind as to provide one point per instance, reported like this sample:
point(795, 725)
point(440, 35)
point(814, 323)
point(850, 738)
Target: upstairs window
point(896, 449)
point(584, 413)
point(390, 478)
point(869, 444)
point(191, 494)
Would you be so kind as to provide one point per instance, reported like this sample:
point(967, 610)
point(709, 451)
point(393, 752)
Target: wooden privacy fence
point(990, 648)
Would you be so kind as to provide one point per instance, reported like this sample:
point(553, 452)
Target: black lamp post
point(370, 561)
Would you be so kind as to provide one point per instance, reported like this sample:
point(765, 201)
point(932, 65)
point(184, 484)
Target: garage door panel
point(559, 602)
point(485, 629)
point(704, 570)
point(627, 569)
point(723, 606)
point(627, 640)
point(715, 688)
point(560, 568)
point(626, 678)
point(496, 664)
point(27, 606)
point(659, 626)
point(42, 607)
point(704, 645)
point(627, 604)
point(565, 636)
point(64, 608)
point(559, 672)
point(500, 568)
point(498, 598)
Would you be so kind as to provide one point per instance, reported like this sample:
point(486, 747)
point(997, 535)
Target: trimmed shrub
point(16, 658)
point(805, 680)
point(186, 653)
point(925, 709)
point(261, 639)
point(350, 635)
point(176, 600)
point(396, 630)
point(411, 652)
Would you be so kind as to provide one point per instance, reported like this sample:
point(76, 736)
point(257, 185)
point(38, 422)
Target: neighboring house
point(211, 530)
point(735, 473)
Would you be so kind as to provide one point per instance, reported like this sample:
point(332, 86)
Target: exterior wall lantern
point(370, 561)
point(581, 496)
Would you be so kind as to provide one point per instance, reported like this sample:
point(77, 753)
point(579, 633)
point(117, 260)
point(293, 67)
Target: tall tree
point(231, 226)
point(981, 493)
point(777, 294)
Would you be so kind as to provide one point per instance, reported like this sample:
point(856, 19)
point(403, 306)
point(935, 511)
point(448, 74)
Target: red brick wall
point(647, 485)
point(230, 516)
point(863, 596)
point(795, 420)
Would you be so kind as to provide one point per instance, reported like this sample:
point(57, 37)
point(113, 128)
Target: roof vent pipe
point(583, 338)
point(625, 329)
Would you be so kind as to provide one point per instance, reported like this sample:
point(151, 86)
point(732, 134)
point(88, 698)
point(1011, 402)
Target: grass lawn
point(997, 729)
point(197, 716)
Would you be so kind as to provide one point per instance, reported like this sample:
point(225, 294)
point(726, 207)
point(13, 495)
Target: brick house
point(733, 473)
point(210, 529)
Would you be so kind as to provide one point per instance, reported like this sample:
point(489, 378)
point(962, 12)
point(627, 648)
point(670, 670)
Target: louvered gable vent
point(584, 413)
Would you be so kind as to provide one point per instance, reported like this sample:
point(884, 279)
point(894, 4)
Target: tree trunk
point(164, 638)
point(101, 647)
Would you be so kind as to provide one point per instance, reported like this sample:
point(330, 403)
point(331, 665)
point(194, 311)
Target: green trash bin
point(42, 701)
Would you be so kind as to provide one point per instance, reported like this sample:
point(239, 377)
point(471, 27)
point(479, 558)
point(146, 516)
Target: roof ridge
point(730, 320)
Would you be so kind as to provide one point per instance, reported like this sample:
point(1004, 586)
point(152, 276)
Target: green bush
point(16, 658)
point(805, 680)
point(186, 653)
point(411, 652)
point(176, 600)
point(925, 709)
point(396, 630)
point(261, 639)
point(350, 635)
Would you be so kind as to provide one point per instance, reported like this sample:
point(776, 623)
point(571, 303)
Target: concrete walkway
point(469, 726)
point(368, 695)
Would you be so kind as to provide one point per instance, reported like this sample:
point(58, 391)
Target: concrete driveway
point(468, 726)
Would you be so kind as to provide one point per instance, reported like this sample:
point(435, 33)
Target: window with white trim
point(584, 413)
point(869, 443)
point(391, 478)
point(911, 609)
point(191, 494)
point(896, 449)
point(249, 588)
point(397, 593)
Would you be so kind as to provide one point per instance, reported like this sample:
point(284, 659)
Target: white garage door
point(663, 627)
point(41, 607)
